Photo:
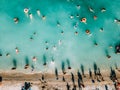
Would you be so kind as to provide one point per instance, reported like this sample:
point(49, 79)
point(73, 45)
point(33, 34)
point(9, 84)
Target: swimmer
point(95, 17)
point(38, 12)
point(31, 16)
point(58, 23)
point(34, 33)
point(47, 48)
point(60, 42)
point(46, 42)
point(84, 20)
point(95, 44)
point(77, 15)
point(101, 29)
point(91, 10)
point(78, 6)
point(76, 25)
point(62, 32)
point(110, 46)
point(8, 54)
point(117, 48)
point(26, 10)
point(103, 10)
point(76, 33)
point(34, 58)
point(54, 48)
point(16, 20)
point(108, 56)
point(87, 31)
point(16, 49)
point(43, 17)
point(117, 21)
point(31, 38)
point(71, 16)
point(0, 54)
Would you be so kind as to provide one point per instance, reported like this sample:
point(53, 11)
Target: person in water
point(38, 12)
point(91, 10)
point(108, 56)
point(16, 20)
point(26, 10)
point(71, 16)
point(43, 17)
point(103, 10)
point(76, 32)
point(87, 31)
point(117, 21)
point(34, 58)
point(95, 17)
point(101, 29)
point(17, 50)
point(84, 20)
point(8, 54)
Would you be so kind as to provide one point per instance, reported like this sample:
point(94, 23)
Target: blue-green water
point(78, 49)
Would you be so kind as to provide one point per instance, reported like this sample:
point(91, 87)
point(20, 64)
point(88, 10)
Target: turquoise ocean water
point(78, 49)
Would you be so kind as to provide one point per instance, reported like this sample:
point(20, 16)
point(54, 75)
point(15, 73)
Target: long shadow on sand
point(95, 68)
point(82, 70)
point(68, 63)
point(14, 64)
point(44, 60)
point(26, 62)
point(63, 67)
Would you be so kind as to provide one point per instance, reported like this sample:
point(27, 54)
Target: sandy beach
point(14, 81)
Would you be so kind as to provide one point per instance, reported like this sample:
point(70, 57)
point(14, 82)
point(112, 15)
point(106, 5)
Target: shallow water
point(78, 49)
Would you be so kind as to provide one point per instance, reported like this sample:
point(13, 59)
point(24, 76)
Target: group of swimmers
point(82, 20)
point(28, 14)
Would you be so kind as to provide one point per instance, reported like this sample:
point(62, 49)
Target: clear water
point(78, 49)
